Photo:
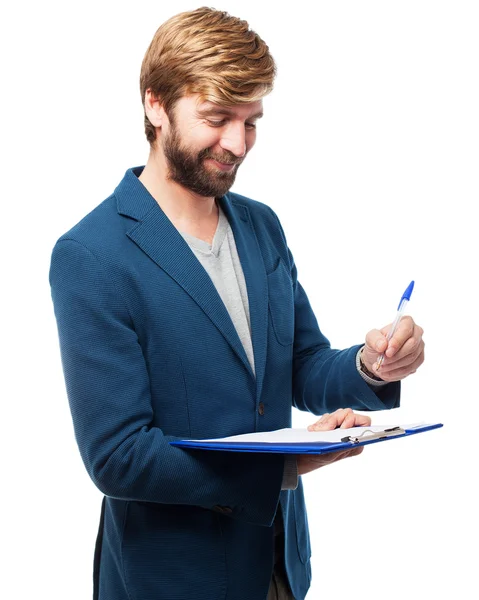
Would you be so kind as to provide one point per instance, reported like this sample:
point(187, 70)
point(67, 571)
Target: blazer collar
point(132, 198)
point(154, 233)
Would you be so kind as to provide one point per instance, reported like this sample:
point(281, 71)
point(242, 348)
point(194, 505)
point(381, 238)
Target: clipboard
point(285, 441)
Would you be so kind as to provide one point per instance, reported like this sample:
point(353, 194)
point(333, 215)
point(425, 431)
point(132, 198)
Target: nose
point(234, 139)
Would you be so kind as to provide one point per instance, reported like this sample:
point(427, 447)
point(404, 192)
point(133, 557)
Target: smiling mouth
point(224, 166)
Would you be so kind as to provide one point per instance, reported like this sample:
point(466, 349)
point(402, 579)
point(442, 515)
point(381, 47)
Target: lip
point(223, 166)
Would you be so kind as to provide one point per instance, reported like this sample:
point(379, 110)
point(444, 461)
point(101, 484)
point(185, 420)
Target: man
point(180, 315)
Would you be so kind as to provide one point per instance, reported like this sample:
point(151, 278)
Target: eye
point(216, 123)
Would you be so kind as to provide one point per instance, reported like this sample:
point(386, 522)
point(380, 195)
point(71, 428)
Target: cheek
point(250, 139)
point(200, 138)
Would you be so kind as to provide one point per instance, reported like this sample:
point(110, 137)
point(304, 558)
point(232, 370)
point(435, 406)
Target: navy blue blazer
point(151, 355)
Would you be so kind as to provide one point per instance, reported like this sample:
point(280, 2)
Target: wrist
point(364, 369)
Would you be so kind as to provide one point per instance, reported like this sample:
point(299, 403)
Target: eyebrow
point(222, 110)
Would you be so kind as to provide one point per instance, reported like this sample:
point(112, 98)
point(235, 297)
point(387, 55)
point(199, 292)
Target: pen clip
point(374, 435)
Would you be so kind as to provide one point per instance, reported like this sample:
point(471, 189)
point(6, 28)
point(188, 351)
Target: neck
point(180, 205)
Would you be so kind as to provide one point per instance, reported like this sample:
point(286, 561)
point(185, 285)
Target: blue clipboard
point(367, 436)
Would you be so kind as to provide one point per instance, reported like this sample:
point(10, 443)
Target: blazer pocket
point(173, 551)
point(281, 304)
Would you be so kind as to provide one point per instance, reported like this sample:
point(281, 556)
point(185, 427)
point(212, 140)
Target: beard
point(188, 169)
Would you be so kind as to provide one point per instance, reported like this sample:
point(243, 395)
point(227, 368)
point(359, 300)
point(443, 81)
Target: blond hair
point(206, 52)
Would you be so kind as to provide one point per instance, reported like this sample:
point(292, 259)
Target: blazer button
point(261, 408)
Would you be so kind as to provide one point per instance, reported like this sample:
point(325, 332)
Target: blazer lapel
point(256, 280)
point(160, 240)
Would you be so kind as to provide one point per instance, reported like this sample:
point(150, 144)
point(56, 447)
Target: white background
point(368, 152)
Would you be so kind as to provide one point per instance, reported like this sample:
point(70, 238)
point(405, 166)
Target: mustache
point(228, 159)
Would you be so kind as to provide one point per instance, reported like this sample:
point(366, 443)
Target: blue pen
point(402, 305)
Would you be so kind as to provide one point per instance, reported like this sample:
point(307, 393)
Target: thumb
point(376, 342)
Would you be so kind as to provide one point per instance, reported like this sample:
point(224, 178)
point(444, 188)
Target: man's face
point(204, 143)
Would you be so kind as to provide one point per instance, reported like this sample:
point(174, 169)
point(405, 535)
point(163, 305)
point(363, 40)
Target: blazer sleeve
point(325, 379)
point(108, 391)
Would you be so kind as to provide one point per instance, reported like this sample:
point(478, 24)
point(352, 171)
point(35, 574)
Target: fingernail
point(379, 345)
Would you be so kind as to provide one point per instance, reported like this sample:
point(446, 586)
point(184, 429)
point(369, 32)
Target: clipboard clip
point(368, 434)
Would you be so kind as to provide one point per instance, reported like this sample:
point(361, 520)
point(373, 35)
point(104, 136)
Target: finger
point(356, 451)
point(338, 417)
point(361, 420)
point(349, 420)
point(376, 341)
point(411, 346)
point(307, 463)
point(316, 426)
point(345, 418)
point(334, 419)
point(404, 331)
point(354, 420)
point(341, 418)
point(401, 361)
point(401, 373)
point(326, 423)
point(336, 456)
point(330, 421)
point(407, 354)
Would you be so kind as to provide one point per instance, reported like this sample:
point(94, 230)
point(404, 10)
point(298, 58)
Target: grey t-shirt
point(222, 263)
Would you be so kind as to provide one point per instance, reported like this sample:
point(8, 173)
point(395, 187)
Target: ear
point(154, 109)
